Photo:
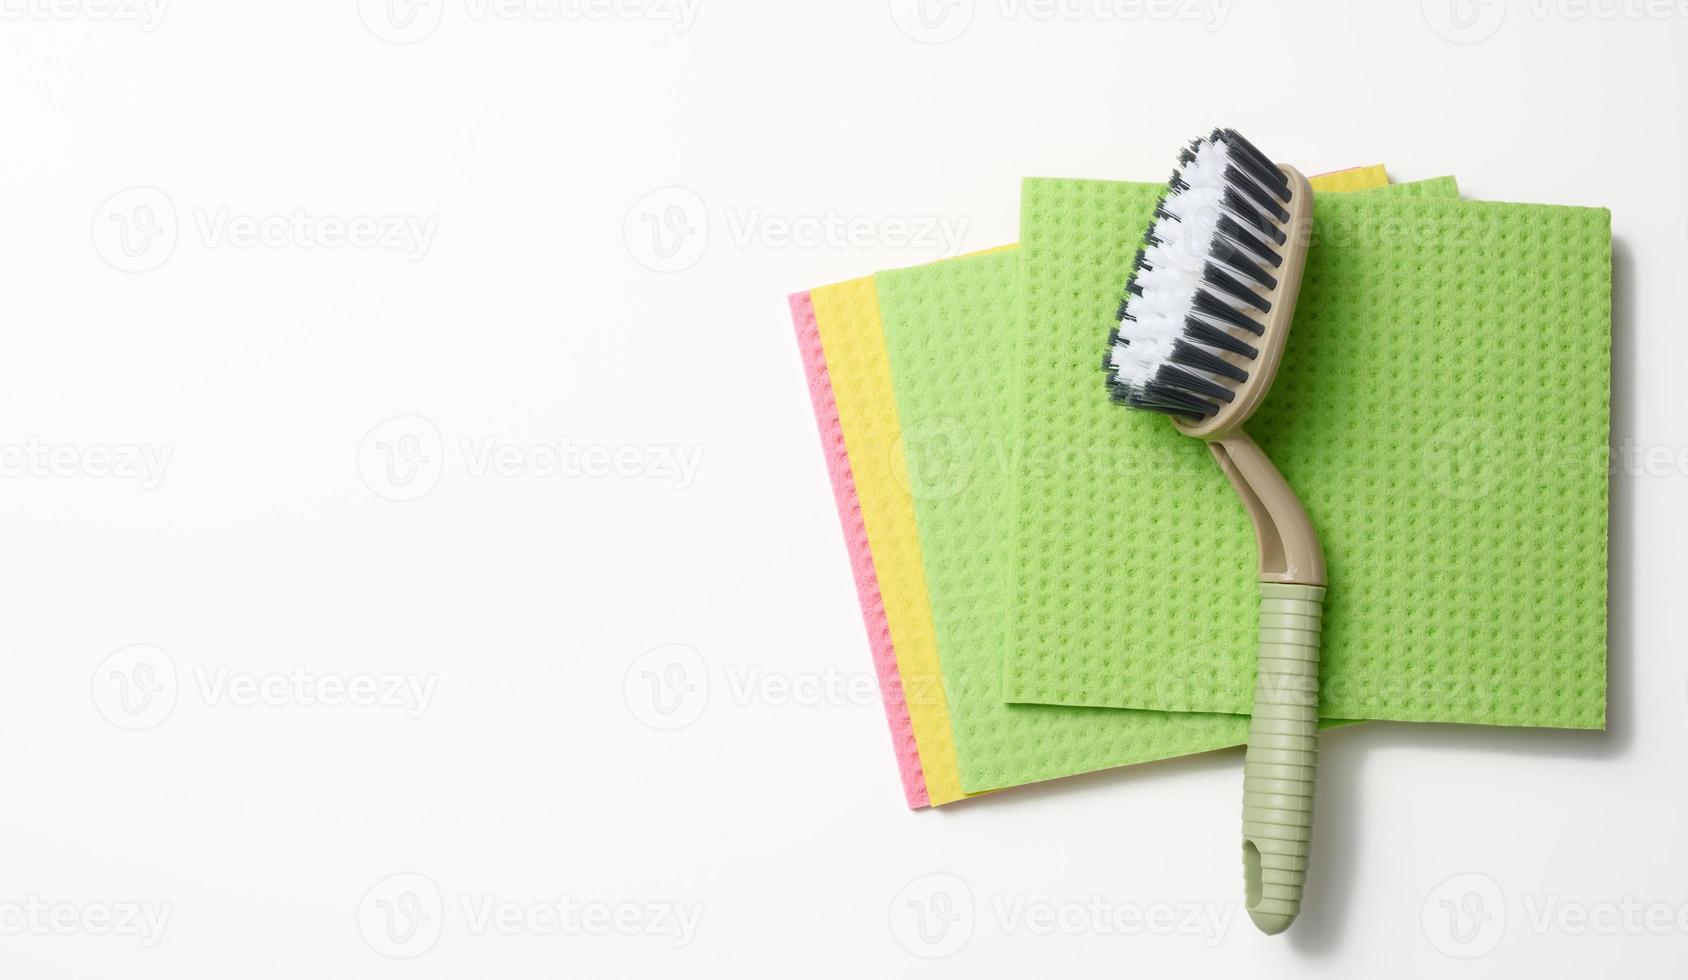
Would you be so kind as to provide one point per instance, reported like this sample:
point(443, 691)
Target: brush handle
point(1283, 754)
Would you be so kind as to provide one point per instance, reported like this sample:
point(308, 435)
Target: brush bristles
point(1198, 285)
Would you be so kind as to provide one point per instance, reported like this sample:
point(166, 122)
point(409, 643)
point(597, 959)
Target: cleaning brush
point(1201, 331)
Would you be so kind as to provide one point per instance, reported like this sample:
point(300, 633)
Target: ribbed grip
point(1283, 754)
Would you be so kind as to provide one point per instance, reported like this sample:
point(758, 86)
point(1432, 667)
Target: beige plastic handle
point(1289, 548)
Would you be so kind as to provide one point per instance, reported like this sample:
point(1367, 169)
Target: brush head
point(1208, 301)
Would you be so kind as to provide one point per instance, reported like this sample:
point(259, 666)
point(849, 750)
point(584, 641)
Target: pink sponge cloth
point(861, 558)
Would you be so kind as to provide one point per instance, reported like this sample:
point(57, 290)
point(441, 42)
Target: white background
point(547, 306)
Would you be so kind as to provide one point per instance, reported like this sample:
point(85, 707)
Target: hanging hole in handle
point(1251, 873)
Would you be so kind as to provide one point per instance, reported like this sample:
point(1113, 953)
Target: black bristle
point(1174, 376)
point(1209, 305)
point(1235, 257)
point(1228, 227)
point(1279, 182)
point(1261, 174)
point(1158, 397)
point(1190, 355)
point(1212, 336)
point(1244, 209)
point(1257, 193)
point(1219, 278)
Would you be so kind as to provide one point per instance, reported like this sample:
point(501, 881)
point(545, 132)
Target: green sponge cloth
point(950, 338)
point(1441, 410)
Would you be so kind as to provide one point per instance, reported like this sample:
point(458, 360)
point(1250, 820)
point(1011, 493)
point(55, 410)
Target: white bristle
point(1203, 243)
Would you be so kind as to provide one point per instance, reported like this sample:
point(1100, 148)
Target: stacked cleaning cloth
point(1052, 585)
